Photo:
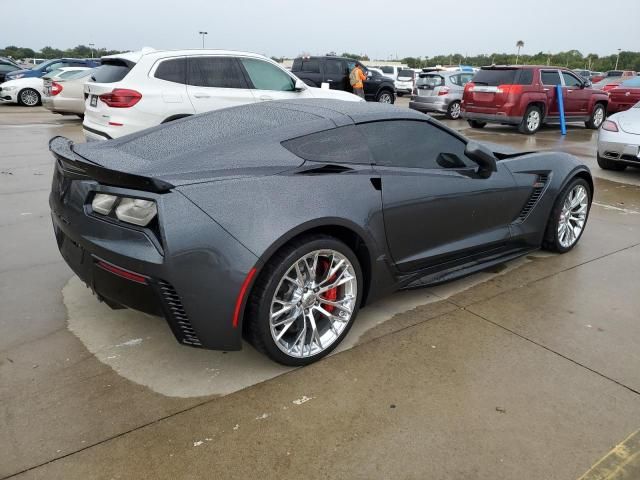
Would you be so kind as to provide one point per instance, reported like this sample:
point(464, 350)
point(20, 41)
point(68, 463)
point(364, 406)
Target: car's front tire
point(29, 97)
point(606, 164)
point(568, 217)
point(385, 96)
point(305, 300)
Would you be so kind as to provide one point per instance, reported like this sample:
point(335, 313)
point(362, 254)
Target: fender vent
point(538, 188)
point(177, 317)
point(327, 169)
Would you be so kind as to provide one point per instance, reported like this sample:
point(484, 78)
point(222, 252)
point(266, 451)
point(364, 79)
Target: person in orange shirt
point(356, 77)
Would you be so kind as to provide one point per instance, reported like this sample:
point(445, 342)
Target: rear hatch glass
point(111, 70)
point(495, 77)
point(405, 75)
point(486, 92)
point(428, 83)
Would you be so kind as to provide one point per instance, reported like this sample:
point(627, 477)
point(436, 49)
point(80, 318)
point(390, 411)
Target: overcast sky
point(379, 28)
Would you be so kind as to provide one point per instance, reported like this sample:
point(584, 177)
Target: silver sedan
point(619, 140)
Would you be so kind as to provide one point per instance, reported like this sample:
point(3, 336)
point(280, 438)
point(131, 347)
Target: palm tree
point(519, 45)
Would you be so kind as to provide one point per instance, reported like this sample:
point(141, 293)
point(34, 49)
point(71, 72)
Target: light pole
point(203, 34)
point(617, 58)
point(91, 45)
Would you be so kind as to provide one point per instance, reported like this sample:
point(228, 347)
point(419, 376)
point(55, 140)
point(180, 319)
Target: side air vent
point(538, 188)
point(178, 319)
point(327, 169)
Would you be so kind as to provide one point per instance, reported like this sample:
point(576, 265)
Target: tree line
point(79, 51)
point(569, 59)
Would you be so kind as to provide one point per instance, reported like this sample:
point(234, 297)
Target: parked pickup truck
point(526, 96)
point(314, 71)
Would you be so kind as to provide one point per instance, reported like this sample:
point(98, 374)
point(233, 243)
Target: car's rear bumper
point(435, 103)
point(491, 117)
point(63, 105)
point(186, 269)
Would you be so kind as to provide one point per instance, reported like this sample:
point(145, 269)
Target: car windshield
point(53, 73)
point(430, 81)
point(43, 65)
point(631, 83)
point(386, 69)
point(495, 76)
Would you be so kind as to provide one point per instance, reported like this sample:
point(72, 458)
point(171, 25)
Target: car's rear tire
point(386, 96)
point(568, 217)
point(453, 111)
point(606, 164)
point(400, 94)
point(292, 315)
point(532, 120)
point(476, 123)
point(28, 97)
point(598, 115)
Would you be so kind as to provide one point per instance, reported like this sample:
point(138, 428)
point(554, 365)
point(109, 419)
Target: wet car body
point(228, 201)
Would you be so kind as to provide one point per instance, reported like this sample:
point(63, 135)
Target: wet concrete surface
point(529, 370)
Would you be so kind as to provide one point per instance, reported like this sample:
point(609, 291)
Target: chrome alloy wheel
point(385, 97)
point(455, 111)
point(533, 120)
point(573, 216)
point(29, 97)
point(598, 117)
point(313, 303)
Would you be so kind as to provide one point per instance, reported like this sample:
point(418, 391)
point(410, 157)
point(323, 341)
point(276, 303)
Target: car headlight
point(131, 210)
point(103, 203)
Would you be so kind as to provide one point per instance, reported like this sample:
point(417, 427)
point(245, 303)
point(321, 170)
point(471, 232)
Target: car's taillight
point(121, 98)
point(443, 91)
point(509, 89)
point(609, 126)
point(469, 87)
point(56, 88)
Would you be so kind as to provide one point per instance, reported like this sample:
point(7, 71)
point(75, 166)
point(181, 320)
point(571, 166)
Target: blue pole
point(563, 125)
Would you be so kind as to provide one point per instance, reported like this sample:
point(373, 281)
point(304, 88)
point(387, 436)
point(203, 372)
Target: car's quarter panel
point(265, 213)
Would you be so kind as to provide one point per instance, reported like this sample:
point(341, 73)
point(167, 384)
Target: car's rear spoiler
point(80, 167)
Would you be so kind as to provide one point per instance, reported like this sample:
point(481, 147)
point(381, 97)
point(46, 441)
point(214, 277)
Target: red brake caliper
point(331, 294)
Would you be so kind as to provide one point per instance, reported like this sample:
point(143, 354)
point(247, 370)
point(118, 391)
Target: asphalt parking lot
point(528, 371)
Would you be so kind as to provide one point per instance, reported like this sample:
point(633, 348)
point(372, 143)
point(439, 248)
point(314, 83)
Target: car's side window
point(550, 77)
point(338, 145)
point(333, 67)
point(455, 79)
point(173, 70)
point(465, 78)
point(571, 80)
point(310, 66)
point(265, 76)
point(414, 144)
point(221, 72)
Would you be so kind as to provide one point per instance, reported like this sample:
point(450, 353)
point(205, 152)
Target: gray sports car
point(279, 220)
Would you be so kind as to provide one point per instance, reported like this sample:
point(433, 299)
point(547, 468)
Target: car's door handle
point(265, 98)
point(201, 95)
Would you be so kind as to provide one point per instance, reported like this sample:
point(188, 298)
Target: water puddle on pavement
point(142, 349)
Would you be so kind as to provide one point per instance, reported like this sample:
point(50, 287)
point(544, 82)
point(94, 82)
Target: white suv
point(137, 90)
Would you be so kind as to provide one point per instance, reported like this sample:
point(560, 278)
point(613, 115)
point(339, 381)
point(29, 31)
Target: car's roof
point(156, 54)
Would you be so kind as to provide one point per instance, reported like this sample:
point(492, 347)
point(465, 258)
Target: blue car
point(46, 67)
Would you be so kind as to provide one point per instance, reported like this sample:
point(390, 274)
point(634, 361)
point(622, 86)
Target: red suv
point(526, 96)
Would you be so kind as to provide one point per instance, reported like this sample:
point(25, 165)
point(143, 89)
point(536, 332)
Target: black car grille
point(541, 183)
point(177, 317)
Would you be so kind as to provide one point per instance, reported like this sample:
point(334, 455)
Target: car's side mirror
point(586, 84)
point(299, 86)
point(482, 156)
